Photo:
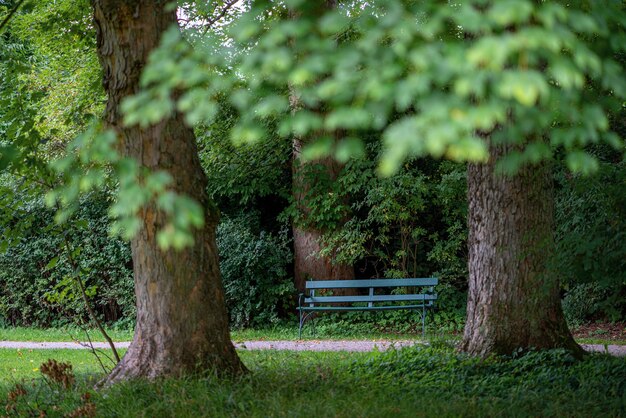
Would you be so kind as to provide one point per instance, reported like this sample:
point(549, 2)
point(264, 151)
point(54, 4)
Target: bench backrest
point(426, 297)
point(347, 284)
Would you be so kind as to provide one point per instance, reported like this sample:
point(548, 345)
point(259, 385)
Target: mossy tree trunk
point(513, 299)
point(182, 323)
point(307, 239)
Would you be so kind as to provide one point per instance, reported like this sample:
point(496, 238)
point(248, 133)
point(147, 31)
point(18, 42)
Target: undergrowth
point(401, 383)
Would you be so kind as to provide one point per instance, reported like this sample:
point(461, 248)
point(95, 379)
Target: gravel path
point(302, 345)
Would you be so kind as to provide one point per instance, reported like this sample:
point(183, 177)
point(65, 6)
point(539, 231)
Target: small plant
point(58, 372)
point(57, 395)
point(13, 397)
point(87, 408)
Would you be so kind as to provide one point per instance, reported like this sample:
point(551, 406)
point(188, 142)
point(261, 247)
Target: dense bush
point(37, 279)
point(591, 231)
point(585, 301)
point(254, 266)
point(409, 225)
point(37, 284)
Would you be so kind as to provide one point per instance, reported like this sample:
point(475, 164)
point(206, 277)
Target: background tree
point(312, 180)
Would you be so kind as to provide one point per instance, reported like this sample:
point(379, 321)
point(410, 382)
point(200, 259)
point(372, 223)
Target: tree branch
point(227, 6)
point(10, 15)
point(94, 318)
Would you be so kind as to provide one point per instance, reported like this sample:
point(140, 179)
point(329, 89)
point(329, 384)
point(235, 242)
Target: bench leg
point(303, 318)
point(423, 322)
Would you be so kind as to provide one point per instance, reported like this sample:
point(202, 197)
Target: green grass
point(283, 332)
point(339, 330)
point(327, 331)
point(600, 341)
point(60, 334)
point(404, 383)
point(16, 364)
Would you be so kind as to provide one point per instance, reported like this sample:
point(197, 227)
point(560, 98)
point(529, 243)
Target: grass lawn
point(325, 331)
point(600, 341)
point(404, 383)
point(60, 334)
point(24, 364)
point(330, 331)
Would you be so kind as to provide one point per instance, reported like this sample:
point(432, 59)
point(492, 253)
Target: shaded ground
point(431, 382)
point(604, 330)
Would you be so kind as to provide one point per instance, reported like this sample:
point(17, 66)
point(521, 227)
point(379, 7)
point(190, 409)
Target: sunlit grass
point(60, 334)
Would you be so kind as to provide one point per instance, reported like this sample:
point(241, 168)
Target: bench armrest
point(300, 299)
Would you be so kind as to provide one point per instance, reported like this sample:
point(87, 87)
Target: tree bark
point(182, 323)
point(306, 240)
point(513, 298)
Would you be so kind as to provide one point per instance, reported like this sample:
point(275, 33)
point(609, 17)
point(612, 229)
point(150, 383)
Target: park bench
point(415, 300)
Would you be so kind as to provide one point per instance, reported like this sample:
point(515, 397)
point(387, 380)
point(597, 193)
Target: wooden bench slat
point(373, 298)
point(310, 304)
point(351, 284)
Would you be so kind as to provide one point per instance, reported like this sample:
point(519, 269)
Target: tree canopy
point(431, 79)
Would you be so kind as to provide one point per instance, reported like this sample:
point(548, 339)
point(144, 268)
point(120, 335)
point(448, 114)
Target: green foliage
point(239, 175)
point(584, 301)
point(430, 78)
point(37, 285)
point(90, 159)
point(49, 84)
point(19, 138)
point(410, 225)
point(37, 279)
point(64, 67)
point(254, 266)
point(322, 204)
point(383, 324)
point(591, 229)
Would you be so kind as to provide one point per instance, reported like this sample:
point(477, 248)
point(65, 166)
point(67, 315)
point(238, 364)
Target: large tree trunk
point(307, 240)
point(182, 323)
point(513, 300)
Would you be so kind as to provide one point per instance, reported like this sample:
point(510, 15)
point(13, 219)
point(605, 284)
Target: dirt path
point(302, 345)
